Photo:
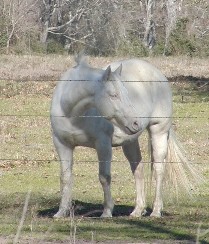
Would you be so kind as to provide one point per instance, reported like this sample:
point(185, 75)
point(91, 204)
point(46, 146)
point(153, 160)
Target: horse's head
point(112, 101)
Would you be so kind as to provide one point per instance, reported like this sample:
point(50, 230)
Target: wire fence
point(23, 115)
point(105, 117)
point(203, 81)
point(9, 160)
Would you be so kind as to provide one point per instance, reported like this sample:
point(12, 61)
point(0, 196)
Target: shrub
point(54, 46)
point(3, 35)
point(180, 42)
point(133, 47)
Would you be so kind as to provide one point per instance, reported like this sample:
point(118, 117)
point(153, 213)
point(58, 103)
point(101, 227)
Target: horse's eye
point(114, 96)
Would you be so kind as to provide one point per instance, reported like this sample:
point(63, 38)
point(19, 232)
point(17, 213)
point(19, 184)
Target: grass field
point(29, 163)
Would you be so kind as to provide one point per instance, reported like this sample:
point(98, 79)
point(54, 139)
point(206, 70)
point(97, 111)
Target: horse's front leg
point(158, 153)
point(66, 161)
point(133, 154)
point(104, 152)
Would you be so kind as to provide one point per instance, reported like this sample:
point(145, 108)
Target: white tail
point(183, 175)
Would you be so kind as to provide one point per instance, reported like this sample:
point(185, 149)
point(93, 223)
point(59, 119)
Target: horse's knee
point(159, 169)
point(159, 166)
point(104, 179)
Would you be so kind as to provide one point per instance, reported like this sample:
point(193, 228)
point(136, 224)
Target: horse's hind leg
point(159, 143)
point(104, 152)
point(133, 154)
point(66, 160)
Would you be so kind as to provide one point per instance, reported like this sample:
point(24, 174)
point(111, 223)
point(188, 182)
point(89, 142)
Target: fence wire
point(100, 116)
point(203, 81)
point(9, 160)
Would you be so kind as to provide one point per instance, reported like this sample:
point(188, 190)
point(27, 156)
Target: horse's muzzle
point(133, 127)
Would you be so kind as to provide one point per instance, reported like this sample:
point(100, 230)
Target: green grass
point(27, 140)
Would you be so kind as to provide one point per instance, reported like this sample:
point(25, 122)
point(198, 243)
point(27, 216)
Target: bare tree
point(65, 19)
point(200, 22)
point(149, 35)
point(104, 26)
point(82, 22)
point(171, 10)
point(18, 15)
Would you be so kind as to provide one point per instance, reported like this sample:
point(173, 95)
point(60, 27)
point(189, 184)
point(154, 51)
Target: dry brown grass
point(51, 66)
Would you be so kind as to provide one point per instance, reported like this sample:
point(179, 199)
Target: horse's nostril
point(135, 125)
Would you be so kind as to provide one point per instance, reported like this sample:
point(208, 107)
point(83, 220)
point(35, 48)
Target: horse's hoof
point(135, 215)
point(60, 214)
point(106, 214)
point(156, 215)
point(138, 213)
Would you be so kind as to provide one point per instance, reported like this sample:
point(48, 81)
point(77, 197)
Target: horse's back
point(139, 70)
point(145, 82)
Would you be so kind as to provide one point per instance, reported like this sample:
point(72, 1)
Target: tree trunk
point(10, 35)
point(149, 35)
point(44, 33)
point(171, 8)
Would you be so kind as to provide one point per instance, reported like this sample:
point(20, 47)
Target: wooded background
point(105, 27)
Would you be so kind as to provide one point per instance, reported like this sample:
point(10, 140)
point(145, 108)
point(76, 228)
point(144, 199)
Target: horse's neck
point(78, 98)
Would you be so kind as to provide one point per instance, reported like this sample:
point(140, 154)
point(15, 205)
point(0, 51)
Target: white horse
point(94, 108)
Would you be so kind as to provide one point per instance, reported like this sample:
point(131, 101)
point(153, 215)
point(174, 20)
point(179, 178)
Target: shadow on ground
point(131, 228)
point(85, 209)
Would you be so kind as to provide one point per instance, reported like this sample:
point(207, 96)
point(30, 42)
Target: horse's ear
point(118, 70)
point(106, 74)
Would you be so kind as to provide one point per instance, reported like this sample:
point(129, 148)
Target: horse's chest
point(119, 137)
